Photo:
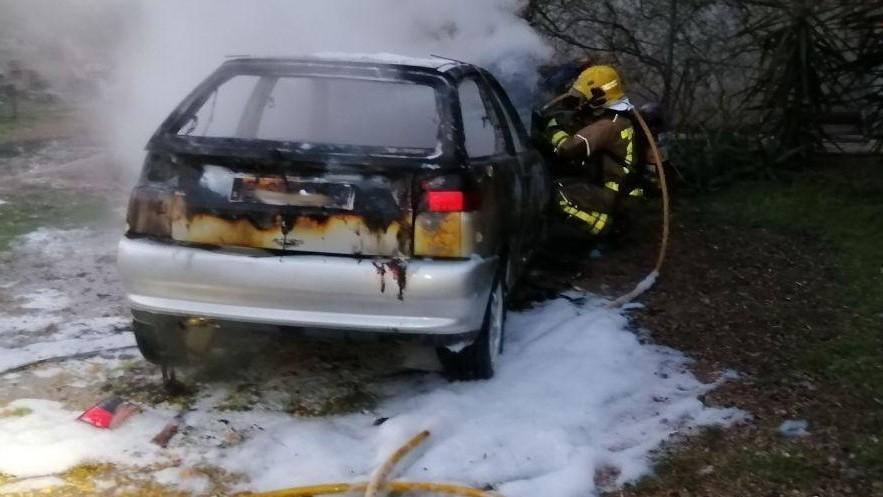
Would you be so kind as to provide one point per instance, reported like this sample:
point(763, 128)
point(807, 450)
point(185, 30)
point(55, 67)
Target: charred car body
point(392, 197)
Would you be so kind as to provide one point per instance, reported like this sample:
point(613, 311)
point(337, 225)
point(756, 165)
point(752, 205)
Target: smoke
point(172, 45)
point(141, 57)
point(67, 43)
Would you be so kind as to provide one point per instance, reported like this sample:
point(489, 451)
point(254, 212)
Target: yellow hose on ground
point(382, 474)
point(650, 279)
point(379, 481)
point(392, 486)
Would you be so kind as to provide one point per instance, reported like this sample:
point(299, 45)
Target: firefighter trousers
point(584, 205)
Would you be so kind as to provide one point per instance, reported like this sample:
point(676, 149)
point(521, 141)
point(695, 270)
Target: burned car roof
point(437, 64)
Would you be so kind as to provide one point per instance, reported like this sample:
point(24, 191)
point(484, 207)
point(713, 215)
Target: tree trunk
point(668, 79)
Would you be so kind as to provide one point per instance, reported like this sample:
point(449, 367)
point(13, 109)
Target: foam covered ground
point(580, 400)
point(577, 394)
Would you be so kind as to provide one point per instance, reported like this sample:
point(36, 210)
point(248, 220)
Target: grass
point(837, 210)
point(25, 212)
point(844, 207)
point(34, 120)
point(141, 384)
point(9, 126)
point(353, 397)
point(784, 469)
point(793, 469)
point(91, 478)
point(680, 465)
point(18, 412)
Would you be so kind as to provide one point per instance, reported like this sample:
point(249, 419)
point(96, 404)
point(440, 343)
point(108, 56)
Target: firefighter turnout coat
point(596, 167)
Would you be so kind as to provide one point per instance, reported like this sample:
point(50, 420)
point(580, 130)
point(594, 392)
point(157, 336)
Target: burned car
point(352, 195)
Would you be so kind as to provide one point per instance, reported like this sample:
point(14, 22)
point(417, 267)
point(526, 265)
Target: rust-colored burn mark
point(319, 223)
point(321, 232)
point(149, 212)
point(439, 234)
point(398, 268)
point(212, 230)
point(376, 225)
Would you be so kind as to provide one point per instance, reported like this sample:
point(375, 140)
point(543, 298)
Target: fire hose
point(379, 481)
point(650, 279)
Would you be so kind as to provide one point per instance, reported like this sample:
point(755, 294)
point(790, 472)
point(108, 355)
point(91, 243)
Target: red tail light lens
point(446, 201)
point(446, 222)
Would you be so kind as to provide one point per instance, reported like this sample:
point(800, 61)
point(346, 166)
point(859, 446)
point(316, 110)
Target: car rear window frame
point(167, 136)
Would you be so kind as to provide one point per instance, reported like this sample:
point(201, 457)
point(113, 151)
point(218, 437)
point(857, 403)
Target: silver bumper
point(306, 291)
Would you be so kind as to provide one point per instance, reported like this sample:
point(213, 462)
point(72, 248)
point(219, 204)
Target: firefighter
point(591, 139)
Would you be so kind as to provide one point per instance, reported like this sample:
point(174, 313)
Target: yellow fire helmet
point(600, 85)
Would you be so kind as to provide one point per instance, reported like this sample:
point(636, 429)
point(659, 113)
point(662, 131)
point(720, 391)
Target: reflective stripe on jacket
point(606, 147)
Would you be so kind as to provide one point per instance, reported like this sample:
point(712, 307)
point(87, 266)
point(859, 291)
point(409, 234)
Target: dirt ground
point(760, 301)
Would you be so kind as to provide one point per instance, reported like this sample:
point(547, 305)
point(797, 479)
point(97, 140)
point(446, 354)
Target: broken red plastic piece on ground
point(97, 416)
point(109, 413)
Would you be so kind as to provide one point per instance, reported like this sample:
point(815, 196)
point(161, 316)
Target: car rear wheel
point(478, 361)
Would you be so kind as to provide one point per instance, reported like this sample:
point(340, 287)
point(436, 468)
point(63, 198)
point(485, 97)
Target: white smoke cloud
point(65, 42)
point(175, 44)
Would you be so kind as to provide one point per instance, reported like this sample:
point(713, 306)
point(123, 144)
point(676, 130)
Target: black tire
point(478, 360)
point(160, 346)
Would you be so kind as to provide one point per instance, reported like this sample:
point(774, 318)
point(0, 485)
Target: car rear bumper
point(307, 291)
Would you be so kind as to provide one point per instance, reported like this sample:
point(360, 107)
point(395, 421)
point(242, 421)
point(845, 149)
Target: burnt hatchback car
point(354, 195)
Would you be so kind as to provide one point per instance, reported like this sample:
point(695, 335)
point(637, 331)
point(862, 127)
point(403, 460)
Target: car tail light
point(446, 201)
point(445, 223)
point(452, 201)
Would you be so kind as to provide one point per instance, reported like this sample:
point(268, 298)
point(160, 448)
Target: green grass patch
point(240, 398)
point(17, 412)
point(683, 464)
point(25, 212)
point(31, 116)
point(708, 457)
point(9, 126)
point(843, 206)
point(796, 470)
point(870, 456)
point(141, 384)
point(352, 397)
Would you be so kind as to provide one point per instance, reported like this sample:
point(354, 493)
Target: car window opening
point(319, 110)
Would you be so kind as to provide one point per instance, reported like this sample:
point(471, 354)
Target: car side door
point(536, 179)
point(490, 156)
